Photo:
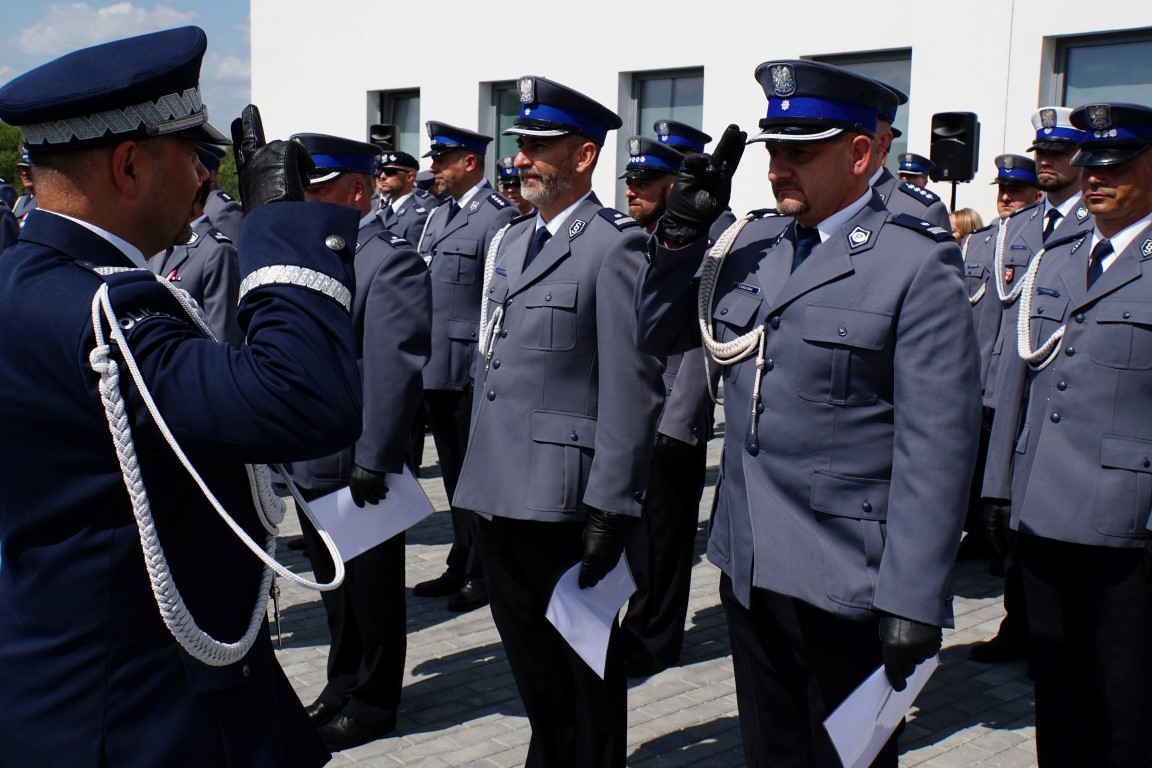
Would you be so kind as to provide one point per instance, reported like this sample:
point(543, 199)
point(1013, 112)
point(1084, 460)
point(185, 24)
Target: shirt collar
point(558, 220)
point(131, 252)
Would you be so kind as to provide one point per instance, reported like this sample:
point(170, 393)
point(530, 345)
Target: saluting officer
point(1081, 426)
point(455, 239)
point(134, 630)
point(902, 196)
point(565, 414)
point(392, 321)
point(689, 140)
point(403, 207)
point(842, 489)
point(914, 168)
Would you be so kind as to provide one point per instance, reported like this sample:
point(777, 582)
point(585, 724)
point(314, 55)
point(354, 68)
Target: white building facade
point(344, 65)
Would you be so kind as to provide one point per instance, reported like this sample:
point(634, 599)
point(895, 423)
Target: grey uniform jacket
point(849, 489)
point(905, 197)
point(225, 213)
point(408, 222)
point(978, 251)
point(455, 251)
point(1081, 471)
point(565, 413)
point(207, 268)
point(1023, 240)
point(392, 324)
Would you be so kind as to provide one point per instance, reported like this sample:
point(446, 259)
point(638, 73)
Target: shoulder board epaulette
point(621, 221)
point(498, 200)
point(219, 236)
point(1027, 208)
point(925, 196)
point(419, 208)
point(523, 217)
point(760, 213)
point(939, 234)
point(225, 195)
point(1065, 239)
point(983, 229)
point(393, 239)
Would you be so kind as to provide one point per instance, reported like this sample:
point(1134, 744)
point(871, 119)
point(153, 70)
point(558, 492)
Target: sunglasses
point(393, 171)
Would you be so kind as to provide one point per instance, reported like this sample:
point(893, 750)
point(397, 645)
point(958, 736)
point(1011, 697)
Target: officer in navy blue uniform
point(95, 669)
point(660, 548)
point(914, 168)
point(563, 423)
point(206, 266)
point(392, 319)
point(508, 182)
point(1080, 425)
point(403, 207)
point(454, 242)
point(842, 489)
point(901, 196)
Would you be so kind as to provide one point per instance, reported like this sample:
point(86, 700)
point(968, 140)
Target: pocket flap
point(498, 291)
point(558, 295)
point(1125, 312)
point(850, 327)
point(736, 308)
point(1126, 453)
point(856, 497)
point(460, 246)
point(463, 330)
point(563, 429)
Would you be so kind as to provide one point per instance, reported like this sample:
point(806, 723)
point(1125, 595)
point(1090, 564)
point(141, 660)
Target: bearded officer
point(564, 418)
point(96, 669)
point(1080, 424)
point(403, 207)
point(842, 490)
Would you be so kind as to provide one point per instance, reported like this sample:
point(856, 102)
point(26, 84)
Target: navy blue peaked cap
point(648, 157)
point(680, 135)
point(915, 164)
point(506, 170)
point(210, 156)
point(128, 89)
point(1015, 170)
point(449, 138)
point(811, 101)
point(335, 155)
point(394, 158)
point(1113, 132)
point(548, 108)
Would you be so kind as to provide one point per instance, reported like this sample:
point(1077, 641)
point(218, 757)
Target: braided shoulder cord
point(1042, 357)
point(1006, 296)
point(173, 610)
point(424, 230)
point(488, 330)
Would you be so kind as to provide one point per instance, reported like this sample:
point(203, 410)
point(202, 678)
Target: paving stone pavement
point(460, 706)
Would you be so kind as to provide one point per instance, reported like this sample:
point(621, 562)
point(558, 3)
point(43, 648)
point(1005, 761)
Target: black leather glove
point(996, 513)
point(702, 189)
point(268, 173)
point(904, 644)
point(366, 486)
point(604, 537)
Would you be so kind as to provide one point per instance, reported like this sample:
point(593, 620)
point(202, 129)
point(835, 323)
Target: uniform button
point(492, 394)
point(246, 671)
point(491, 290)
point(759, 408)
point(548, 297)
point(1127, 315)
point(1146, 462)
point(495, 363)
point(1055, 418)
point(1040, 310)
point(1061, 385)
point(1070, 351)
point(638, 496)
point(769, 365)
point(335, 242)
point(504, 333)
point(1079, 317)
point(867, 507)
point(753, 448)
point(774, 322)
point(724, 311)
point(842, 331)
point(574, 437)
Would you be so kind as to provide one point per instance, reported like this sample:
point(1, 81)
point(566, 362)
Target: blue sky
point(36, 31)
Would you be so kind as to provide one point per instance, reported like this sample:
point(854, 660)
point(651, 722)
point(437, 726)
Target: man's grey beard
point(793, 207)
point(547, 189)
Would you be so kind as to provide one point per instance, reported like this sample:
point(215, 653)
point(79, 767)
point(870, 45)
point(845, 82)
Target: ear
point(471, 162)
point(860, 150)
point(359, 190)
point(128, 160)
point(586, 156)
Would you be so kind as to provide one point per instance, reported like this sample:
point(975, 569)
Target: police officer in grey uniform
point(842, 490)
point(455, 239)
point(898, 195)
point(392, 320)
point(565, 414)
point(660, 548)
point(223, 210)
point(403, 208)
point(1060, 213)
point(1081, 426)
point(508, 182)
point(206, 266)
point(914, 168)
point(26, 203)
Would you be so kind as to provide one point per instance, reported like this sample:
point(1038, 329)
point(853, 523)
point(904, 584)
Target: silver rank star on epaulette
point(1079, 243)
point(493, 198)
point(219, 236)
point(621, 220)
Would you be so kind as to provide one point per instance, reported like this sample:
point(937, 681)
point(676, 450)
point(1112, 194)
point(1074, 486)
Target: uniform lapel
point(1126, 268)
point(558, 248)
point(1077, 220)
point(514, 248)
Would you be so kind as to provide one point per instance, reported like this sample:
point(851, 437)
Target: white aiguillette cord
point(198, 643)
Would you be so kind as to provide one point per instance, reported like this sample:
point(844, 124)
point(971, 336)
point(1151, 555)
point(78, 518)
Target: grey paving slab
point(460, 706)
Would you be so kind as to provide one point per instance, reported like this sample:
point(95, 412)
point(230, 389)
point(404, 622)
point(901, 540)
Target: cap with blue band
point(914, 164)
point(335, 155)
point(549, 109)
point(450, 138)
point(680, 136)
point(648, 157)
point(1113, 133)
point(1015, 170)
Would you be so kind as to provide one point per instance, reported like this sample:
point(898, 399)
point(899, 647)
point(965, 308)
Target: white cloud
point(228, 68)
point(67, 27)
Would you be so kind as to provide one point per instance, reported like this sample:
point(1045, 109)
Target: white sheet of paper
point(584, 616)
point(355, 530)
point(863, 723)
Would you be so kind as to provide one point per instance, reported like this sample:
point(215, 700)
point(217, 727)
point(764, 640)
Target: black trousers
point(1090, 616)
point(578, 720)
point(367, 622)
point(449, 414)
point(660, 552)
point(794, 664)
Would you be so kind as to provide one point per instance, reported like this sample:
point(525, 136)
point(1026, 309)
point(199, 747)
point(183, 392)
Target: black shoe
point(344, 732)
point(442, 586)
point(998, 650)
point(473, 595)
point(321, 712)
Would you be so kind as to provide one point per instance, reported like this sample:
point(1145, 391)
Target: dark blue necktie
point(453, 209)
point(1096, 260)
point(807, 238)
point(542, 236)
point(1053, 217)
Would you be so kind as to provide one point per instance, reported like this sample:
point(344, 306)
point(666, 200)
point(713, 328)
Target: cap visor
point(1053, 146)
point(324, 176)
point(795, 134)
point(1106, 155)
point(204, 133)
point(521, 130)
